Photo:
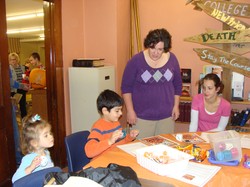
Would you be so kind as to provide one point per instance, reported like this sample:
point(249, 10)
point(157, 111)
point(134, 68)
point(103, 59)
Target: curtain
point(14, 45)
point(135, 33)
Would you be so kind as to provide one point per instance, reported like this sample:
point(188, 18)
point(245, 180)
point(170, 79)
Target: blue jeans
point(18, 152)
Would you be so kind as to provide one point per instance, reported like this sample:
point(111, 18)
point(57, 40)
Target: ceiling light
point(25, 16)
point(31, 40)
point(15, 31)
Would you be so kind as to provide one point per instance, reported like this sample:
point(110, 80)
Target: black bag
point(112, 176)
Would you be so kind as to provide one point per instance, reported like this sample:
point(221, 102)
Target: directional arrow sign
point(227, 7)
point(234, 62)
point(227, 19)
point(239, 41)
point(236, 48)
point(227, 36)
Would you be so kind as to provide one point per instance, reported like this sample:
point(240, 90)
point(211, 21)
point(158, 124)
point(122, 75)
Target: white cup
point(179, 137)
point(24, 75)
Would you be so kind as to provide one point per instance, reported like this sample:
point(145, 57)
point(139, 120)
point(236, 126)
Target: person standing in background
point(16, 85)
point(35, 61)
point(27, 71)
point(18, 73)
point(152, 85)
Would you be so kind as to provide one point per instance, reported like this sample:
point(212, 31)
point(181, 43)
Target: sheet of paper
point(191, 138)
point(197, 174)
point(74, 181)
point(245, 141)
point(80, 181)
point(132, 147)
point(155, 140)
point(204, 136)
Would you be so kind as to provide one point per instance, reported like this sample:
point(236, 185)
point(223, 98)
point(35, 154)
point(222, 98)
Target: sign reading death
point(234, 62)
point(227, 36)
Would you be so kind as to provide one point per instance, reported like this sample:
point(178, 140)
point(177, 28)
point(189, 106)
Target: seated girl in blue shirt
point(36, 139)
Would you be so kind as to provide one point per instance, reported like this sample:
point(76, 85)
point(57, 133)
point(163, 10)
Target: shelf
point(183, 98)
point(244, 102)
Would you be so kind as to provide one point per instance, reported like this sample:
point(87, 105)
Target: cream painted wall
point(95, 28)
point(73, 43)
point(101, 30)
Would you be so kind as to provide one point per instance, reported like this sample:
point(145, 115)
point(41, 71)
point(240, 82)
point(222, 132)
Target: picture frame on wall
point(186, 75)
point(186, 82)
point(213, 69)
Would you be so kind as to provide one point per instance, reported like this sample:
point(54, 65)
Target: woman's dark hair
point(35, 56)
point(108, 99)
point(217, 82)
point(156, 36)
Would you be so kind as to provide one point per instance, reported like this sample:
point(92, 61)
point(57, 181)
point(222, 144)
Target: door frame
point(7, 149)
point(54, 78)
point(55, 91)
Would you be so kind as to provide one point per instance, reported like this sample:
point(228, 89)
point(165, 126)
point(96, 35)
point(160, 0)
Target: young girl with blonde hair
point(36, 139)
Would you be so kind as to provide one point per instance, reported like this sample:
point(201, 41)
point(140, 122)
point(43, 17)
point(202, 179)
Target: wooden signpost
point(238, 41)
point(236, 63)
point(236, 48)
point(233, 41)
point(223, 17)
point(227, 7)
point(226, 36)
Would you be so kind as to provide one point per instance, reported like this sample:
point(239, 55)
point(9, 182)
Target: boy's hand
point(134, 133)
point(115, 136)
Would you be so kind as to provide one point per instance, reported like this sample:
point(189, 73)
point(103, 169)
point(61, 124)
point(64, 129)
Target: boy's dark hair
point(35, 55)
point(108, 99)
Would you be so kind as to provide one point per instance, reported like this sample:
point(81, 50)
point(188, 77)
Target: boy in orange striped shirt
point(107, 132)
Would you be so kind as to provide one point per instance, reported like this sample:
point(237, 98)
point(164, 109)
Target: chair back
point(76, 155)
point(35, 179)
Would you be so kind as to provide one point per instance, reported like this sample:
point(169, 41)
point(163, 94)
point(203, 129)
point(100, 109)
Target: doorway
point(54, 76)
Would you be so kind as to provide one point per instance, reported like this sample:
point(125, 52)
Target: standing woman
point(17, 72)
point(14, 85)
point(151, 86)
point(210, 112)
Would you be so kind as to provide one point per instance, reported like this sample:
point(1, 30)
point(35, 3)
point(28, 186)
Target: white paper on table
point(204, 136)
point(197, 174)
point(132, 147)
point(245, 141)
point(74, 181)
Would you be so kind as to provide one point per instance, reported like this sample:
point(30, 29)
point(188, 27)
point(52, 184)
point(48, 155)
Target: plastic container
point(177, 163)
point(226, 145)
